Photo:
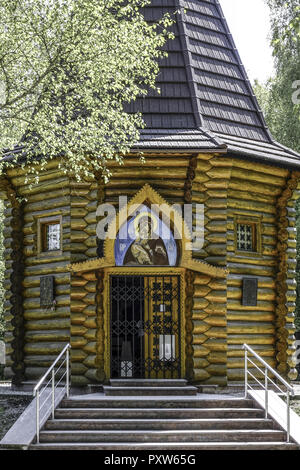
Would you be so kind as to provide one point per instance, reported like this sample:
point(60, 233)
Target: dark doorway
point(145, 326)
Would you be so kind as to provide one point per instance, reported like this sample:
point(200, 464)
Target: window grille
point(246, 237)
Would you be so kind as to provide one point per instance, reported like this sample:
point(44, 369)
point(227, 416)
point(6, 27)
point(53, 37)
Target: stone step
point(163, 436)
point(191, 446)
point(159, 413)
point(148, 382)
point(157, 424)
point(161, 402)
point(147, 391)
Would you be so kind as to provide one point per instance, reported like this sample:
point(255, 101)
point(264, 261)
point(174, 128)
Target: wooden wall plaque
point(46, 291)
point(250, 286)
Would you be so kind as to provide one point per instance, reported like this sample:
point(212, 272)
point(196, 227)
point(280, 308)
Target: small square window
point(49, 235)
point(246, 237)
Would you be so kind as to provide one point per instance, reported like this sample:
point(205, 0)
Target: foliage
point(2, 267)
point(276, 96)
point(66, 69)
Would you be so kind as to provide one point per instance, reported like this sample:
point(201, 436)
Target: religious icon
point(145, 240)
point(146, 249)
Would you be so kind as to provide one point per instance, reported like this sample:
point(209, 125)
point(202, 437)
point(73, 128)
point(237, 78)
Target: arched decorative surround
point(147, 193)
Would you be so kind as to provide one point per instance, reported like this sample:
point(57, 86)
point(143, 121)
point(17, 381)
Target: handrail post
point(53, 393)
point(68, 371)
point(267, 368)
point(288, 415)
point(266, 394)
point(246, 373)
point(38, 417)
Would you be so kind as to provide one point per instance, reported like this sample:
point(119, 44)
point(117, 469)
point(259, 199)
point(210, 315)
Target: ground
point(11, 407)
point(296, 405)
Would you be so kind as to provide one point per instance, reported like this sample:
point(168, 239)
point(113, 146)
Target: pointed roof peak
point(206, 99)
point(203, 82)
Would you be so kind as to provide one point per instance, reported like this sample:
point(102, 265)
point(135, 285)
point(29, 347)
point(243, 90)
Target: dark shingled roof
point(206, 101)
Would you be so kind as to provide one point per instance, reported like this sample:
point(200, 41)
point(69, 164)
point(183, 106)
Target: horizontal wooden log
point(34, 281)
point(216, 321)
point(217, 172)
point(78, 224)
point(262, 306)
point(255, 176)
point(250, 270)
point(35, 292)
point(262, 294)
point(41, 336)
point(44, 348)
point(263, 282)
point(220, 183)
point(54, 324)
point(264, 352)
point(251, 339)
point(255, 207)
point(91, 347)
point(61, 301)
point(238, 363)
point(141, 172)
point(235, 194)
point(50, 268)
point(26, 180)
point(253, 316)
point(78, 342)
point(254, 187)
point(261, 168)
point(41, 313)
point(156, 162)
point(200, 363)
point(200, 375)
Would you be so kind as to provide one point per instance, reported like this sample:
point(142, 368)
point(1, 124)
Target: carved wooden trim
point(100, 360)
point(186, 261)
point(189, 326)
point(282, 333)
point(189, 179)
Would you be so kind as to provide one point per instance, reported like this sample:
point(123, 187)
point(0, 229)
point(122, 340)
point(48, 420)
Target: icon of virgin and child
point(145, 246)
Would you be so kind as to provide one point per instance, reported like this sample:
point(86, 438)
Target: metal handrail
point(267, 379)
point(37, 389)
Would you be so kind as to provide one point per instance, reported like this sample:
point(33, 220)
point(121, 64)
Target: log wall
point(8, 316)
point(286, 277)
point(84, 330)
point(210, 188)
point(217, 324)
point(46, 329)
point(253, 192)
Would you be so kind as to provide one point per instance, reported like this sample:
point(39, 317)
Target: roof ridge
point(189, 69)
point(214, 138)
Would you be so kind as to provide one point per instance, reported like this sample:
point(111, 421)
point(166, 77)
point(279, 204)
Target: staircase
point(148, 387)
point(145, 415)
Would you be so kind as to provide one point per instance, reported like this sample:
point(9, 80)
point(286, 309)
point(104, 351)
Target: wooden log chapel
point(162, 307)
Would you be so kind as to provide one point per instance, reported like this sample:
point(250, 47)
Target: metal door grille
point(145, 326)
